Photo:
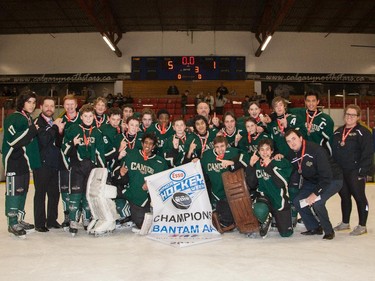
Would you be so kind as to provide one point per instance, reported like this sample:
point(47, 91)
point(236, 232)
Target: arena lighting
point(109, 43)
point(264, 45)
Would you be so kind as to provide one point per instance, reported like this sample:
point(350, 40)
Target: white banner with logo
point(182, 213)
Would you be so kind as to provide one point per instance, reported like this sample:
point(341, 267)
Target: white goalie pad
point(99, 196)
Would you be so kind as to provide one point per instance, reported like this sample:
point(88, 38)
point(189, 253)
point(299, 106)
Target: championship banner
point(182, 213)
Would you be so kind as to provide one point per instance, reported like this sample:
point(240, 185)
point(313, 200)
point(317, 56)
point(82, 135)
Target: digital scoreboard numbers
point(188, 68)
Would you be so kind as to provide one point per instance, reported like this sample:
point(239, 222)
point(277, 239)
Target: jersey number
point(12, 130)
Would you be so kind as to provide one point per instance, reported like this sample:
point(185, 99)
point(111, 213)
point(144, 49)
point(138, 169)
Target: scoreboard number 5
point(170, 64)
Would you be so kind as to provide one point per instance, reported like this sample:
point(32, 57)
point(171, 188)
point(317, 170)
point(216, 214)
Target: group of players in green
point(271, 149)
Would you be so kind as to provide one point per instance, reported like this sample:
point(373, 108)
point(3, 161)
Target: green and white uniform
point(161, 134)
point(20, 155)
point(68, 123)
point(249, 143)
point(91, 145)
point(133, 142)
point(110, 135)
point(273, 181)
point(203, 143)
point(172, 155)
point(83, 157)
point(276, 131)
point(272, 185)
point(213, 168)
point(231, 138)
point(138, 169)
point(64, 173)
point(319, 127)
point(100, 120)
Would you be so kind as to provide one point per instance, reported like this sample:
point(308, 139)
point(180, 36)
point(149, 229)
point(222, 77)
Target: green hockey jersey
point(213, 168)
point(273, 181)
point(110, 135)
point(249, 143)
point(276, 132)
point(231, 138)
point(161, 135)
point(68, 123)
point(91, 145)
point(203, 143)
point(319, 127)
point(138, 169)
point(172, 155)
point(20, 146)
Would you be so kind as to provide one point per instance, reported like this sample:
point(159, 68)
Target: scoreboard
point(188, 68)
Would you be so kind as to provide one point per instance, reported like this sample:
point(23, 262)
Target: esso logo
point(177, 175)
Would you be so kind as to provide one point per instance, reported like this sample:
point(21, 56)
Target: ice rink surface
point(127, 256)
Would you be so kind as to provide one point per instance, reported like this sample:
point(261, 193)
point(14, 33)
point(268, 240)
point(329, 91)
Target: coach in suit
point(50, 134)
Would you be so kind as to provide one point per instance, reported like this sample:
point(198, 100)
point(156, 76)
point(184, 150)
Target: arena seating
point(173, 105)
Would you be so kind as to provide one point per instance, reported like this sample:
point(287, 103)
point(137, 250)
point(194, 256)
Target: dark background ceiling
point(257, 16)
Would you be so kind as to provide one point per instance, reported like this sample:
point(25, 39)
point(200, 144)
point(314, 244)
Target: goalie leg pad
point(239, 201)
point(99, 196)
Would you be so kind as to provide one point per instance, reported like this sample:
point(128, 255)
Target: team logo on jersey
point(143, 169)
point(261, 174)
point(215, 167)
point(181, 200)
point(309, 163)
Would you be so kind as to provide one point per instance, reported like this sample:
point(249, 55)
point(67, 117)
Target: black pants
point(79, 176)
point(138, 213)
point(46, 183)
point(224, 212)
point(353, 186)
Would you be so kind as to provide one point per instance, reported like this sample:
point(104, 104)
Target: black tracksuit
point(356, 160)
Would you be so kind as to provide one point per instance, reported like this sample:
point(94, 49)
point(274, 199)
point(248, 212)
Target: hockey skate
point(73, 228)
point(252, 235)
point(65, 224)
point(85, 223)
point(103, 228)
point(17, 231)
point(100, 228)
point(124, 223)
point(265, 227)
point(28, 227)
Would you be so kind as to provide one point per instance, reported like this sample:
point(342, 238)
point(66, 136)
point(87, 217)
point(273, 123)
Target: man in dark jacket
point(50, 135)
point(319, 179)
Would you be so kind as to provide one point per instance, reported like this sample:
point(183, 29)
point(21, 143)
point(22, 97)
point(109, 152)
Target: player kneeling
point(271, 198)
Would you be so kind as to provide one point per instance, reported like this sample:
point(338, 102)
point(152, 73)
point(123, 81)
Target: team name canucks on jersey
point(214, 167)
point(144, 169)
point(262, 174)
